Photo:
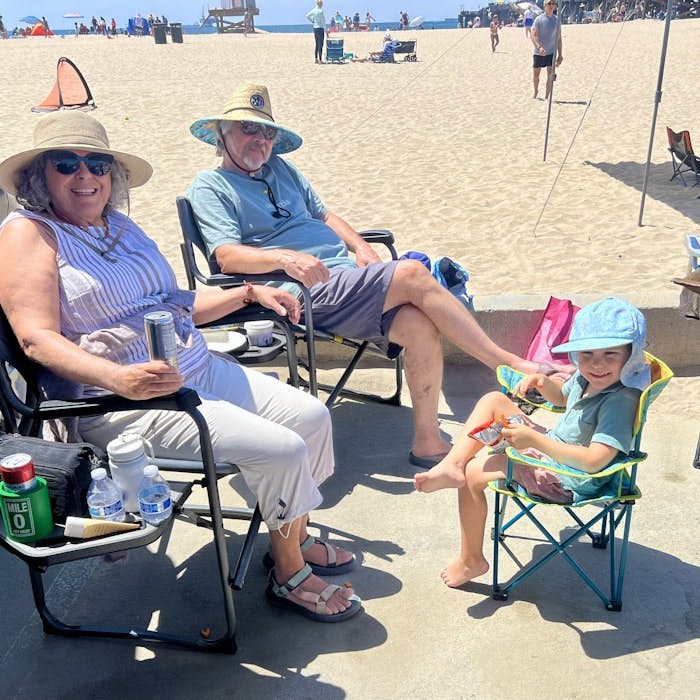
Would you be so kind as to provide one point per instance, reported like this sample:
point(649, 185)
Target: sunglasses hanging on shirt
point(280, 212)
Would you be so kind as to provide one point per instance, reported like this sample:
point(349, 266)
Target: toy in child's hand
point(490, 433)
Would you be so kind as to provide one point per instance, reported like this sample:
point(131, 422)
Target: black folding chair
point(683, 158)
point(24, 412)
point(293, 333)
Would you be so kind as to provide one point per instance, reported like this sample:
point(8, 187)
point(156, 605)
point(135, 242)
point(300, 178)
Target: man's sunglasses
point(253, 129)
point(67, 162)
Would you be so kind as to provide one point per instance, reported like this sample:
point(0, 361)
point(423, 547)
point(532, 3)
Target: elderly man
point(257, 213)
point(545, 37)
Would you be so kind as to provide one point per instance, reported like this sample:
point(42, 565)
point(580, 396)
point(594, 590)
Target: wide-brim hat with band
point(71, 131)
point(249, 103)
point(610, 323)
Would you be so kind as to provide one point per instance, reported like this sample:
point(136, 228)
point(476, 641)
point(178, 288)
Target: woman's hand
point(146, 380)
point(278, 300)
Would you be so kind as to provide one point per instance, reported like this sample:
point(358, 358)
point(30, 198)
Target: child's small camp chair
point(612, 512)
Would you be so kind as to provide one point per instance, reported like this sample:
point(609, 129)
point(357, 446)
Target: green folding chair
point(610, 513)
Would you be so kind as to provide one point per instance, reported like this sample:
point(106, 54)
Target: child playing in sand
point(601, 398)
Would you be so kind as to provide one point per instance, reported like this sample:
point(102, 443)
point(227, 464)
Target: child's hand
point(529, 381)
point(519, 436)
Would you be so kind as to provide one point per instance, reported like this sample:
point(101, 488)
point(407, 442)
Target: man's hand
point(303, 267)
point(560, 58)
point(365, 254)
point(146, 380)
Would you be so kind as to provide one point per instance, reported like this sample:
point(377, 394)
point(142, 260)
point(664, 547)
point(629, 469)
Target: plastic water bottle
point(104, 497)
point(155, 503)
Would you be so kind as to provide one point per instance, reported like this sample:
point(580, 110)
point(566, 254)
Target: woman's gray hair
point(33, 192)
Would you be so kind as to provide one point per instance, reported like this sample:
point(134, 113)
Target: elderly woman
point(78, 277)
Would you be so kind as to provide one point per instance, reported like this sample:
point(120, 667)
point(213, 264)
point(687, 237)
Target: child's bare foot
point(444, 475)
point(458, 573)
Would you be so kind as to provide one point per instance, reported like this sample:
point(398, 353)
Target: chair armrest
point(622, 463)
point(181, 400)
point(378, 235)
point(508, 378)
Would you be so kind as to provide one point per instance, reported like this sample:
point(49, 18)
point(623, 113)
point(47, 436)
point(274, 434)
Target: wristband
point(248, 296)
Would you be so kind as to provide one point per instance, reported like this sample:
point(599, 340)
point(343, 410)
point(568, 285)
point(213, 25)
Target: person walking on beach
point(318, 21)
point(601, 398)
point(546, 38)
point(3, 31)
point(529, 19)
point(494, 27)
point(258, 213)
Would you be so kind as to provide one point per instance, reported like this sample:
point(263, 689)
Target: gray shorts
point(351, 304)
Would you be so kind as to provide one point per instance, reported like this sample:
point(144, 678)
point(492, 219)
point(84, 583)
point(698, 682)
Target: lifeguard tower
point(233, 8)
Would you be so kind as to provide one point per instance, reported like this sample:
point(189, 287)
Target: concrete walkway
point(416, 638)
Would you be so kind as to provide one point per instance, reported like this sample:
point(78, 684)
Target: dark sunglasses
point(253, 129)
point(67, 162)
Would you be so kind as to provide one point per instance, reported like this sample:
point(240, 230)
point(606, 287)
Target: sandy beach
point(447, 152)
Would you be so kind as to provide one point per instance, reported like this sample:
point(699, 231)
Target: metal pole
point(657, 99)
point(551, 91)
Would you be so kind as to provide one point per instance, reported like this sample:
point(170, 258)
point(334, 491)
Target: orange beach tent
point(70, 91)
point(38, 30)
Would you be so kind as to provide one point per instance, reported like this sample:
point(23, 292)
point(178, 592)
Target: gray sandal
point(276, 594)
point(332, 568)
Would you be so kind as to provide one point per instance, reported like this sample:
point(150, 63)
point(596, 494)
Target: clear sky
point(189, 11)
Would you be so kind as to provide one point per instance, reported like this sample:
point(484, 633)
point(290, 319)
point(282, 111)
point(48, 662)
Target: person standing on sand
point(529, 18)
point(546, 37)
point(493, 27)
point(318, 21)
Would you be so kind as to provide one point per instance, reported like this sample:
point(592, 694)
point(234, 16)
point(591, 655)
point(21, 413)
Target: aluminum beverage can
point(161, 336)
point(18, 472)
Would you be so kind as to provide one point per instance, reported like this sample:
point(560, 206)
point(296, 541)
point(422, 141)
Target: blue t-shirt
point(546, 28)
point(606, 417)
point(234, 208)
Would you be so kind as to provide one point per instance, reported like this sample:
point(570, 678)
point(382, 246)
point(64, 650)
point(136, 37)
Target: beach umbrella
point(535, 9)
point(30, 19)
point(657, 99)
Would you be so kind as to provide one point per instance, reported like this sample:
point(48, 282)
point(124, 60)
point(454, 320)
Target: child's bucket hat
point(607, 324)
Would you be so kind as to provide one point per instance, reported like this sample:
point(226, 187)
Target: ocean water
point(450, 23)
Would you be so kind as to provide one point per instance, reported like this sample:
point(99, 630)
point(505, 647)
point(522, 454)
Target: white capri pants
point(280, 437)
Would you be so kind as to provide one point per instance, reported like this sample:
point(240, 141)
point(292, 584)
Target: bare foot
point(458, 573)
point(444, 475)
point(428, 448)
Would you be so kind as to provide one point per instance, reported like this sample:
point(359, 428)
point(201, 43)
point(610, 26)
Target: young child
point(601, 398)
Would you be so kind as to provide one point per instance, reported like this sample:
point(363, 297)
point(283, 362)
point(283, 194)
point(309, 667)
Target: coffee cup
point(259, 332)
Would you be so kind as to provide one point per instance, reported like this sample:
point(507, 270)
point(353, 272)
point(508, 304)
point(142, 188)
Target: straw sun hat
point(249, 103)
point(71, 131)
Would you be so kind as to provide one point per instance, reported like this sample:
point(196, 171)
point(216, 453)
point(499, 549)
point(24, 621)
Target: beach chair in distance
point(294, 334)
point(683, 157)
point(611, 512)
point(335, 51)
point(70, 91)
point(23, 412)
point(407, 49)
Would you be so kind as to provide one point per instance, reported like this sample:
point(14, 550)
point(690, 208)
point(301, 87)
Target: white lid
point(258, 325)
point(99, 473)
point(126, 447)
point(150, 470)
